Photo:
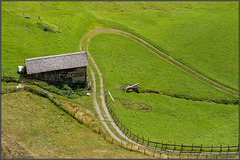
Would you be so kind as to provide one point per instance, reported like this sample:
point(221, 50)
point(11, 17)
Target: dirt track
point(84, 42)
point(158, 53)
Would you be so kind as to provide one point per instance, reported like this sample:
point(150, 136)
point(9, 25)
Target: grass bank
point(52, 133)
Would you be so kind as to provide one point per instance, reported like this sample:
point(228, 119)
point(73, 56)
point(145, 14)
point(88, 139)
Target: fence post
point(212, 149)
point(228, 148)
point(174, 147)
point(220, 148)
point(181, 147)
point(192, 147)
point(162, 144)
point(156, 145)
point(201, 148)
point(148, 142)
point(143, 140)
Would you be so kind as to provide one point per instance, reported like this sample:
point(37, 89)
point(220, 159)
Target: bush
point(48, 27)
point(60, 89)
point(81, 92)
point(9, 79)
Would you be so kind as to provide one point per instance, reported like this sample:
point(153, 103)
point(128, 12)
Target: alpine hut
point(69, 68)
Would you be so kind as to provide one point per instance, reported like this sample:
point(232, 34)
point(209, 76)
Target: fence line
point(141, 140)
point(165, 146)
point(29, 79)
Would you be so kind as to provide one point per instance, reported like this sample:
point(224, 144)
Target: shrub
point(9, 79)
point(48, 27)
point(60, 89)
point(81, 92)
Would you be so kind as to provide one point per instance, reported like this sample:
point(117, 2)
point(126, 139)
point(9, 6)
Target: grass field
point(193, 122)
point(124, 62)
point(192, 32)
point(202, 35)
point(22, 38)
point(35, 123)
point(180, 121)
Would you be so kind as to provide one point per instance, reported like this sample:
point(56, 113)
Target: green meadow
point(192, 121)
point(201, 35)
point(124, 62)
point(49, 132)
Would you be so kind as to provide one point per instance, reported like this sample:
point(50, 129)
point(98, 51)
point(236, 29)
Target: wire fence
point(166, 146)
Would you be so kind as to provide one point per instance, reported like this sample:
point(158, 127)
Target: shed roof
point(56, 62)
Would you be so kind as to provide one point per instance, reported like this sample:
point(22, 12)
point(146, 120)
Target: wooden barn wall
point(75, 75)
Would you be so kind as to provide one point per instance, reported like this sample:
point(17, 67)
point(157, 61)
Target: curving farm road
point(84, 42)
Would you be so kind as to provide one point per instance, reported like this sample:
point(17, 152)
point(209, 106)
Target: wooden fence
point(191, 149)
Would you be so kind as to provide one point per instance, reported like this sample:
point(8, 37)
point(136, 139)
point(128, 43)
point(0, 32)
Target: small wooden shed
point(69, 68)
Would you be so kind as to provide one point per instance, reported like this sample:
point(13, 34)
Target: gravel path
point(98, 109)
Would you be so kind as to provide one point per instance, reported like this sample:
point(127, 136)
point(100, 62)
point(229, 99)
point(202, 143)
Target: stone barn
point(70, 68)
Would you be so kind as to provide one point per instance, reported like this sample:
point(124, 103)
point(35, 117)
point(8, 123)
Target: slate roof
point(56, 62)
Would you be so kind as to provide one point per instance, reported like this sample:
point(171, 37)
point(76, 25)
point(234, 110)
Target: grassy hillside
point(22, 38)
point(171, 119)
point(202, 35)
point(11, 149)
point(124, 62)
point(49, 132)
point(180, 121)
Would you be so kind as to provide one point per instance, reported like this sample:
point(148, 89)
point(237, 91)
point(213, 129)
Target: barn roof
point(56, 62)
